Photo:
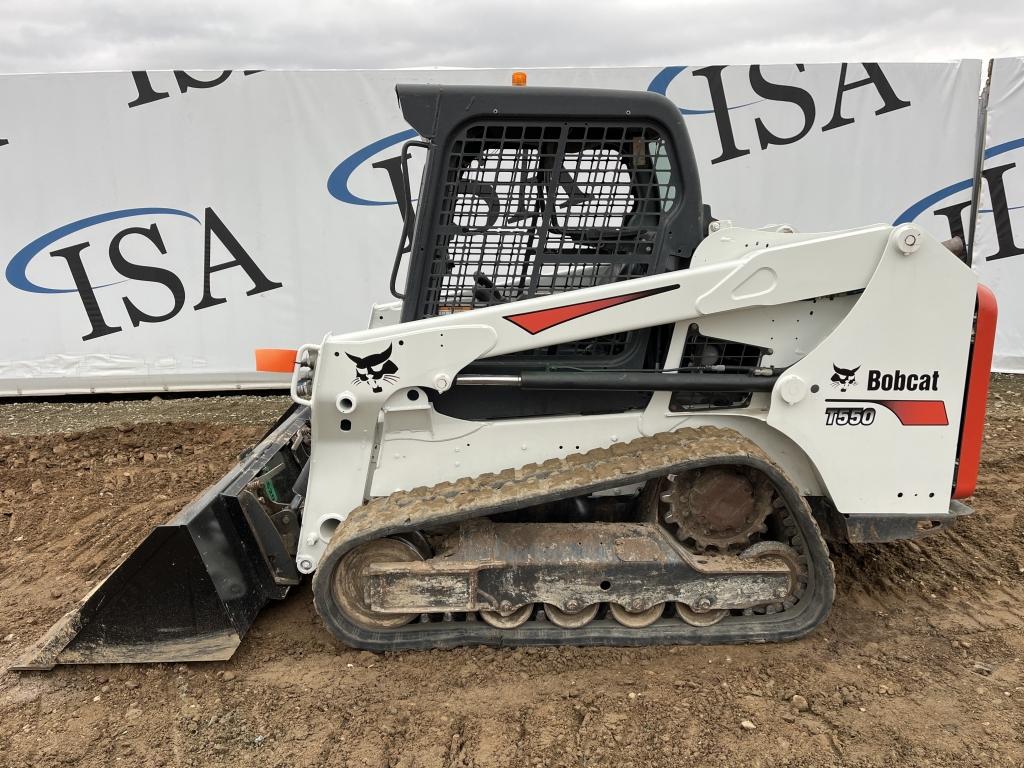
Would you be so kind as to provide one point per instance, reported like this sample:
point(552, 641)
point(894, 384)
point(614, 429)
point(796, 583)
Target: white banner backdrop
point(157, 227)
point(999, 234)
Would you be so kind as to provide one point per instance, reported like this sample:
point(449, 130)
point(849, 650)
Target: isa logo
point(379, 155)
point(116, 253)
point(738, 99)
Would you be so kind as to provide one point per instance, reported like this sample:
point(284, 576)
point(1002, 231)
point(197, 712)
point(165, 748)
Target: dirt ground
point(919, 663)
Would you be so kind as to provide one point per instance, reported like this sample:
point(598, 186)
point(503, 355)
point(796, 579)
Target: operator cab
point(534, 191)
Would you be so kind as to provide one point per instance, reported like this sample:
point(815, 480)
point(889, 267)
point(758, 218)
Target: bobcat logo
point(373, 369)
point(844, 377)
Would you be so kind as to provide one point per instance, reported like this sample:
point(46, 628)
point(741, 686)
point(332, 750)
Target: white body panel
point(777, 290)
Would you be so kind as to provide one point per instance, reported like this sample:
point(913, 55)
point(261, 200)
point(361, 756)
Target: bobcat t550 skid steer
point(595, 415)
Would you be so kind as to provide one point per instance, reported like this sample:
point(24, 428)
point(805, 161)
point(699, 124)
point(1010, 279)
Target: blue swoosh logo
point(661, 82)
point(925, 203)
point(1006, 146)
point(16, 268)
point(337, 182)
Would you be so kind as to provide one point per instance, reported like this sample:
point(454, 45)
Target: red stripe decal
point(973, 420)
point(918, 413)
point(543, 319)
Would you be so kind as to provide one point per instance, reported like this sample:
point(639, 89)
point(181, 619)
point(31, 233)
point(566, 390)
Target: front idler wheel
point(348, 582)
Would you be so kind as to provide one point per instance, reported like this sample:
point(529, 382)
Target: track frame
point(638, 461)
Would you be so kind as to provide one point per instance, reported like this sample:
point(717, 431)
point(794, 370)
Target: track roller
point(698, 618)
point(512, 620)
point(570, 619)
point(636, 619)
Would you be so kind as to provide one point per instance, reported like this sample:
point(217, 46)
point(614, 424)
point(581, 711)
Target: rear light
point(979, 367)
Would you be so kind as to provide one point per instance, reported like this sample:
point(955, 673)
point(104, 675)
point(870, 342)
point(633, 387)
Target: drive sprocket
point(716, 507)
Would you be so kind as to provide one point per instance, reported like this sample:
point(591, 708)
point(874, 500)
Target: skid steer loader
point(595, 414)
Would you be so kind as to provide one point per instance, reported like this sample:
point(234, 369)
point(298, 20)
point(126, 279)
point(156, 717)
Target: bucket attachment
point(193, 587)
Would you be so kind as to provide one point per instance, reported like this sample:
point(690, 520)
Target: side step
point(191, 590)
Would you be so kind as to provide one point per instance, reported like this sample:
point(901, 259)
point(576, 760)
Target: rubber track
point(637, 461)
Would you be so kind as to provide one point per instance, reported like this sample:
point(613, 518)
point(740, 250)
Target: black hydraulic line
point(647, 381)
point(299, 487)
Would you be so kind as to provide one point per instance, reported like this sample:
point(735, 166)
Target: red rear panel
point(973, 421)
